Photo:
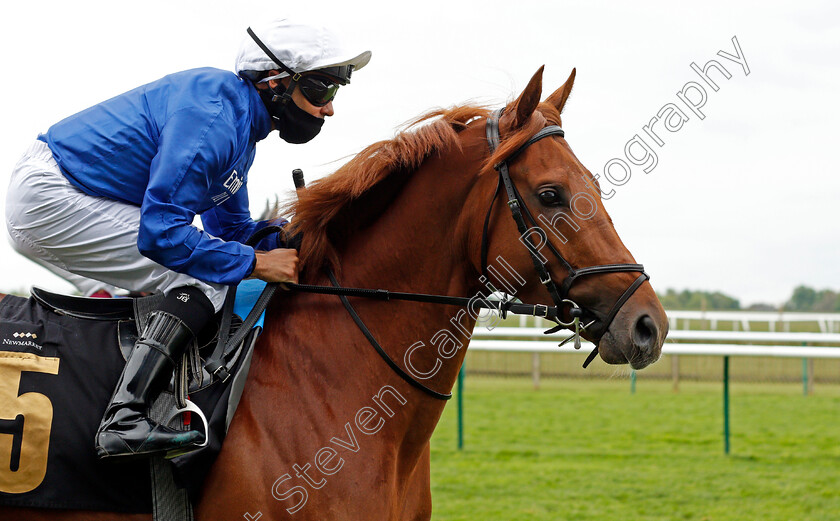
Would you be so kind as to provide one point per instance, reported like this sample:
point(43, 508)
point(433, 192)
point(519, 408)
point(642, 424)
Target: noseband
point(560, 296)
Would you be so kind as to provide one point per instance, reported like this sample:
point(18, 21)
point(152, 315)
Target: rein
point(559, 296)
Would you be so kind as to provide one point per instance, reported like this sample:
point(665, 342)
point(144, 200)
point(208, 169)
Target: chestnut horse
point(325, 429)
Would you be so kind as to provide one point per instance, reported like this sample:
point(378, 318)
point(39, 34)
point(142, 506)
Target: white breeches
point(89, 241)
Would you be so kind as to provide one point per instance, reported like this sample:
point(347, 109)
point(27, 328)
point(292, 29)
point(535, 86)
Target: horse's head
point(564, 230)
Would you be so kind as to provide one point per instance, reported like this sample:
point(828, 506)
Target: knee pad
point(190, 305)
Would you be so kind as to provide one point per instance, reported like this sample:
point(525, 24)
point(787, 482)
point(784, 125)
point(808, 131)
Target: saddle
point(60, 358)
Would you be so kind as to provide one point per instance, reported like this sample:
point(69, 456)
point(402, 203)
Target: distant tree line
point(803, 299)
point(702, 300)
point(810, 299)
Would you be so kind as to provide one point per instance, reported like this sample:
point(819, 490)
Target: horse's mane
point(326, 208)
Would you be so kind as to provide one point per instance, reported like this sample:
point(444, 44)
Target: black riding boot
point(125, 430)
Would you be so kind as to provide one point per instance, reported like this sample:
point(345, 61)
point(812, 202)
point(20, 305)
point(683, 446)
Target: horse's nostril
point(644, 334)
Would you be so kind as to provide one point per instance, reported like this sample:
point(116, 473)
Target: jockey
point(109, 195)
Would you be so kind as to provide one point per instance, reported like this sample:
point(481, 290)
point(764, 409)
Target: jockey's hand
point(278, 265)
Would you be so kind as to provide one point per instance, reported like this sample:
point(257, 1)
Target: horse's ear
point(559, 97)
point(527, 102)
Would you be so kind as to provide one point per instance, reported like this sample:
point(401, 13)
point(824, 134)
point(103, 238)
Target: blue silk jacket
point(177, 147)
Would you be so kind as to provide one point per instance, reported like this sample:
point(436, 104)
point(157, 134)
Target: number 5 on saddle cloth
point(60, 358)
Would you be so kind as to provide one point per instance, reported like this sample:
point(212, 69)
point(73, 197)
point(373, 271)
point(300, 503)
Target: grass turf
point(590, 450)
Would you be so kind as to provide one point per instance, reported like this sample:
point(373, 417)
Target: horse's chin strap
point(577, 312)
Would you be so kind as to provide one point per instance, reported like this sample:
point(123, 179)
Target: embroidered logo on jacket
point(232, 184)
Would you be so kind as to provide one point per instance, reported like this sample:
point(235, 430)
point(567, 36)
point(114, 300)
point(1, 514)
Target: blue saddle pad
point(247, 294)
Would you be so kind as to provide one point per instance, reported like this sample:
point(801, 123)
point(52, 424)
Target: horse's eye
point(550, 197)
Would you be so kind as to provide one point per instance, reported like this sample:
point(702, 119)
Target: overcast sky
point(744, 201)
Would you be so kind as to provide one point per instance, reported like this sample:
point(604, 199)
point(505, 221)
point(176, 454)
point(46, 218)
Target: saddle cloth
point(57, 374)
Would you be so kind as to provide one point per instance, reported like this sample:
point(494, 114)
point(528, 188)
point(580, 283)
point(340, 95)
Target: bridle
point(560, 296)
point(217, 365)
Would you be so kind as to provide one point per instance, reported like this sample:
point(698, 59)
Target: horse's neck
point(414, 246)
point(417, 246)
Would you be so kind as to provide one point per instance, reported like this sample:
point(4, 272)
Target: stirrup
point(176, 412)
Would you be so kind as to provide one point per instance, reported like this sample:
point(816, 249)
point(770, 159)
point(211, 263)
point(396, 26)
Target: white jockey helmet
point(294, 47)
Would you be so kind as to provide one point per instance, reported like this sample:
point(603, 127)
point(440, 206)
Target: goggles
point(318, 89)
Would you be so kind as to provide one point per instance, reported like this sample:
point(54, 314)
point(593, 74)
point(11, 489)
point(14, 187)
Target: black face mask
point(293, 124)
